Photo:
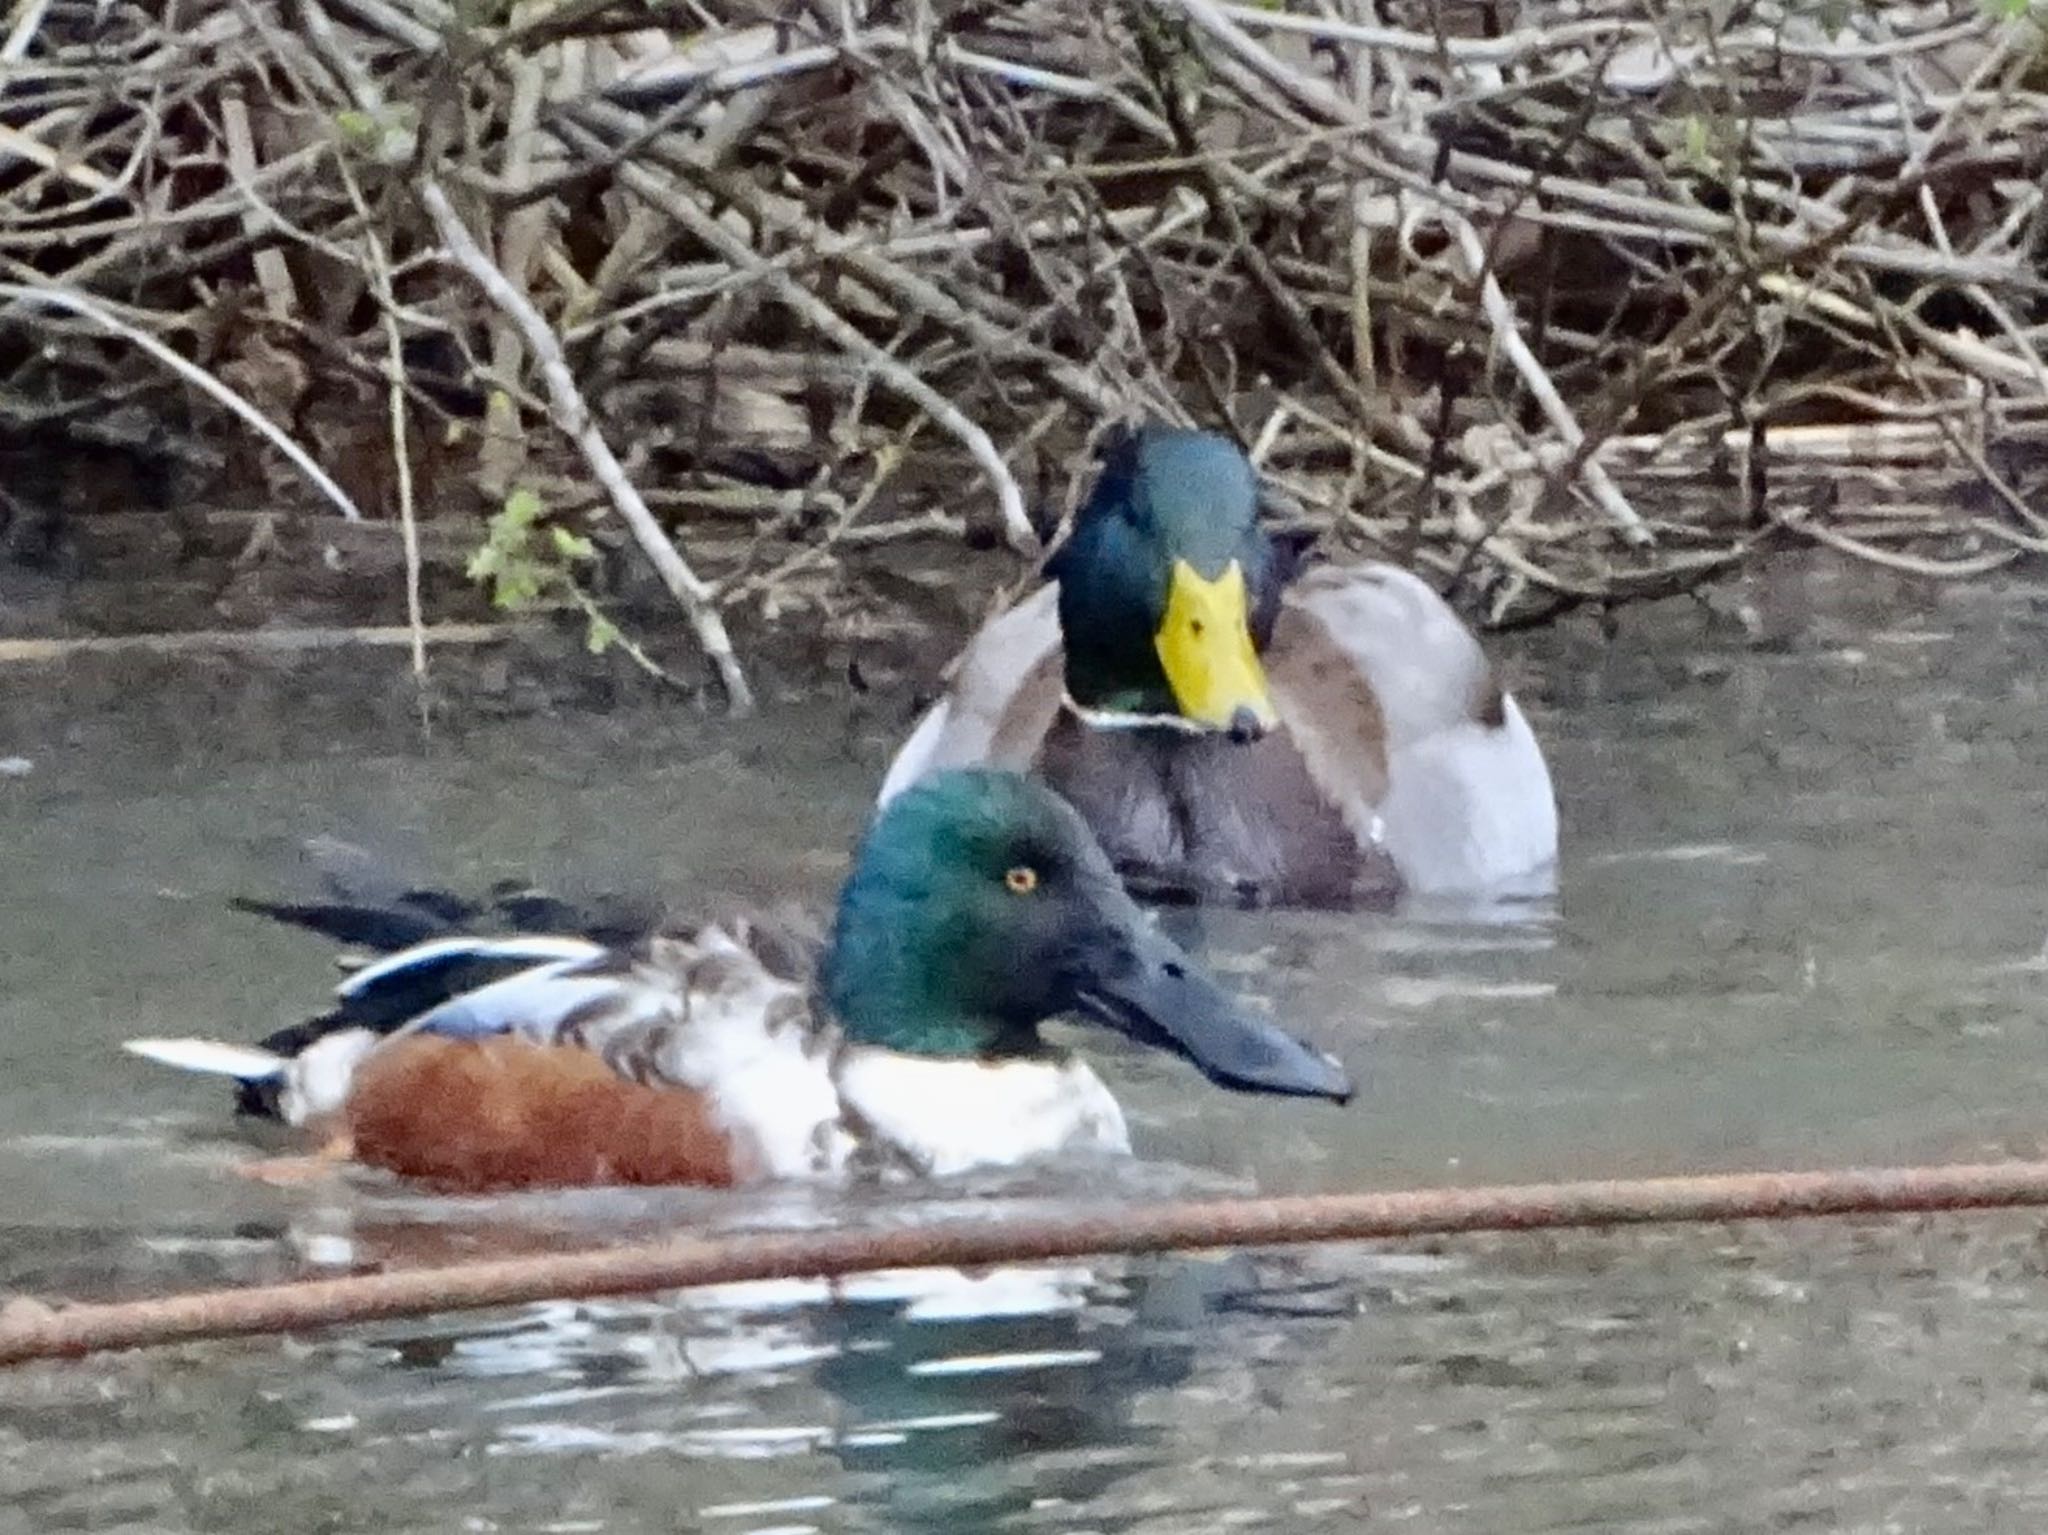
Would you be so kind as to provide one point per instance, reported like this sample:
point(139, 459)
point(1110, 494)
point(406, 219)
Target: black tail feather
point(259, 1099)
point(384, 929)
point(364, 905)
point(615, 921)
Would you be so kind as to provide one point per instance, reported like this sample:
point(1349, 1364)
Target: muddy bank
point(237, 602)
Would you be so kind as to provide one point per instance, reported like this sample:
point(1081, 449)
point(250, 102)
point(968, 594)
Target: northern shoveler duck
point(1235, 724)
point(979, 906)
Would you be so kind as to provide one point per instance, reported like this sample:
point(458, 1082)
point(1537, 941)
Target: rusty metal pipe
point(29, 1331)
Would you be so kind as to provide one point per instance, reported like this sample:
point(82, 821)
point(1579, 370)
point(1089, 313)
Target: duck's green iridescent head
point(980, 905)
point(1169, 587)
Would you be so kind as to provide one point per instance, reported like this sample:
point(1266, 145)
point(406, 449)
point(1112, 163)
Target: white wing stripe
point(539, 948)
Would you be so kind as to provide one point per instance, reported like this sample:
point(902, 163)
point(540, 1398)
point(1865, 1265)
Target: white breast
point(774, 1093)
point(947, 1116)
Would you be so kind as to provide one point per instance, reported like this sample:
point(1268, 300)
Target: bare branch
point(573, 417)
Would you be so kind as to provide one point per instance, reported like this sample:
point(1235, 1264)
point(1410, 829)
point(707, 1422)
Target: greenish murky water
point(1801, 924)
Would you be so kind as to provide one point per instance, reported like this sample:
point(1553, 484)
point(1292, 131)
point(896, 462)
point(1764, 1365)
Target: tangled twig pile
point(1485, 285)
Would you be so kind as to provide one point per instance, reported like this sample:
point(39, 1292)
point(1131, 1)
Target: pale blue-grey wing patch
point(569, 1001)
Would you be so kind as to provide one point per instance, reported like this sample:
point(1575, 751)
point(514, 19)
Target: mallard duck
point(1236, 724)
point(978, 907)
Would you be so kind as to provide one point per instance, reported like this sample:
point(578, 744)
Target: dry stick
point(573, 416)
point(1508, 336)
point(333, 51)
point(1329, 104)
point(919, 295)
point(13, 141)
point(1304, 334)
point(876, 262)
point(33, 1331)
point(94, 136)
point(1911, 564)
point(401, 453)
point(504, 448)
point(1893, 317)
point(1982, 297)
point(1512, 47)
point(1508, 48)
point(822, 317)
point(1072, 87)
point(914, 293)
point(801, 163)
point(272, 275)
point(888, 459)
point(1359, 248)
point(1975, 357)
point(26, 24)
point(367, 97)
point(1416, 160)
point(203, 641)
point(421, 30)
point(1621, 397)
point(198, 377)
point(1966, 352)
point(1994, 59)
point(1699, 227)
point(133, 235)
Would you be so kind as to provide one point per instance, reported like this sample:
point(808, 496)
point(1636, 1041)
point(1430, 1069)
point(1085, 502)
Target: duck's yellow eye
point(1022, 880)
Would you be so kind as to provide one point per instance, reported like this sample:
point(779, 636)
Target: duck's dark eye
point(1022, 879)
point(1195, 627)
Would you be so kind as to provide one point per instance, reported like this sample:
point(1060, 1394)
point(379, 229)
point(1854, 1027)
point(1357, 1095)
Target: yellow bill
point(1205, 647)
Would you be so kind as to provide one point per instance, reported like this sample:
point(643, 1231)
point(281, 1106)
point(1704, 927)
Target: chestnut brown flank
point(504, 1113)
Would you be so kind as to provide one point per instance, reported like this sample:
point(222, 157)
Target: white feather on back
point(947, 1116)
point(747, 1039)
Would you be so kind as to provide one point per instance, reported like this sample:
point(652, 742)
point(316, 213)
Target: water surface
point(1799, 925)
